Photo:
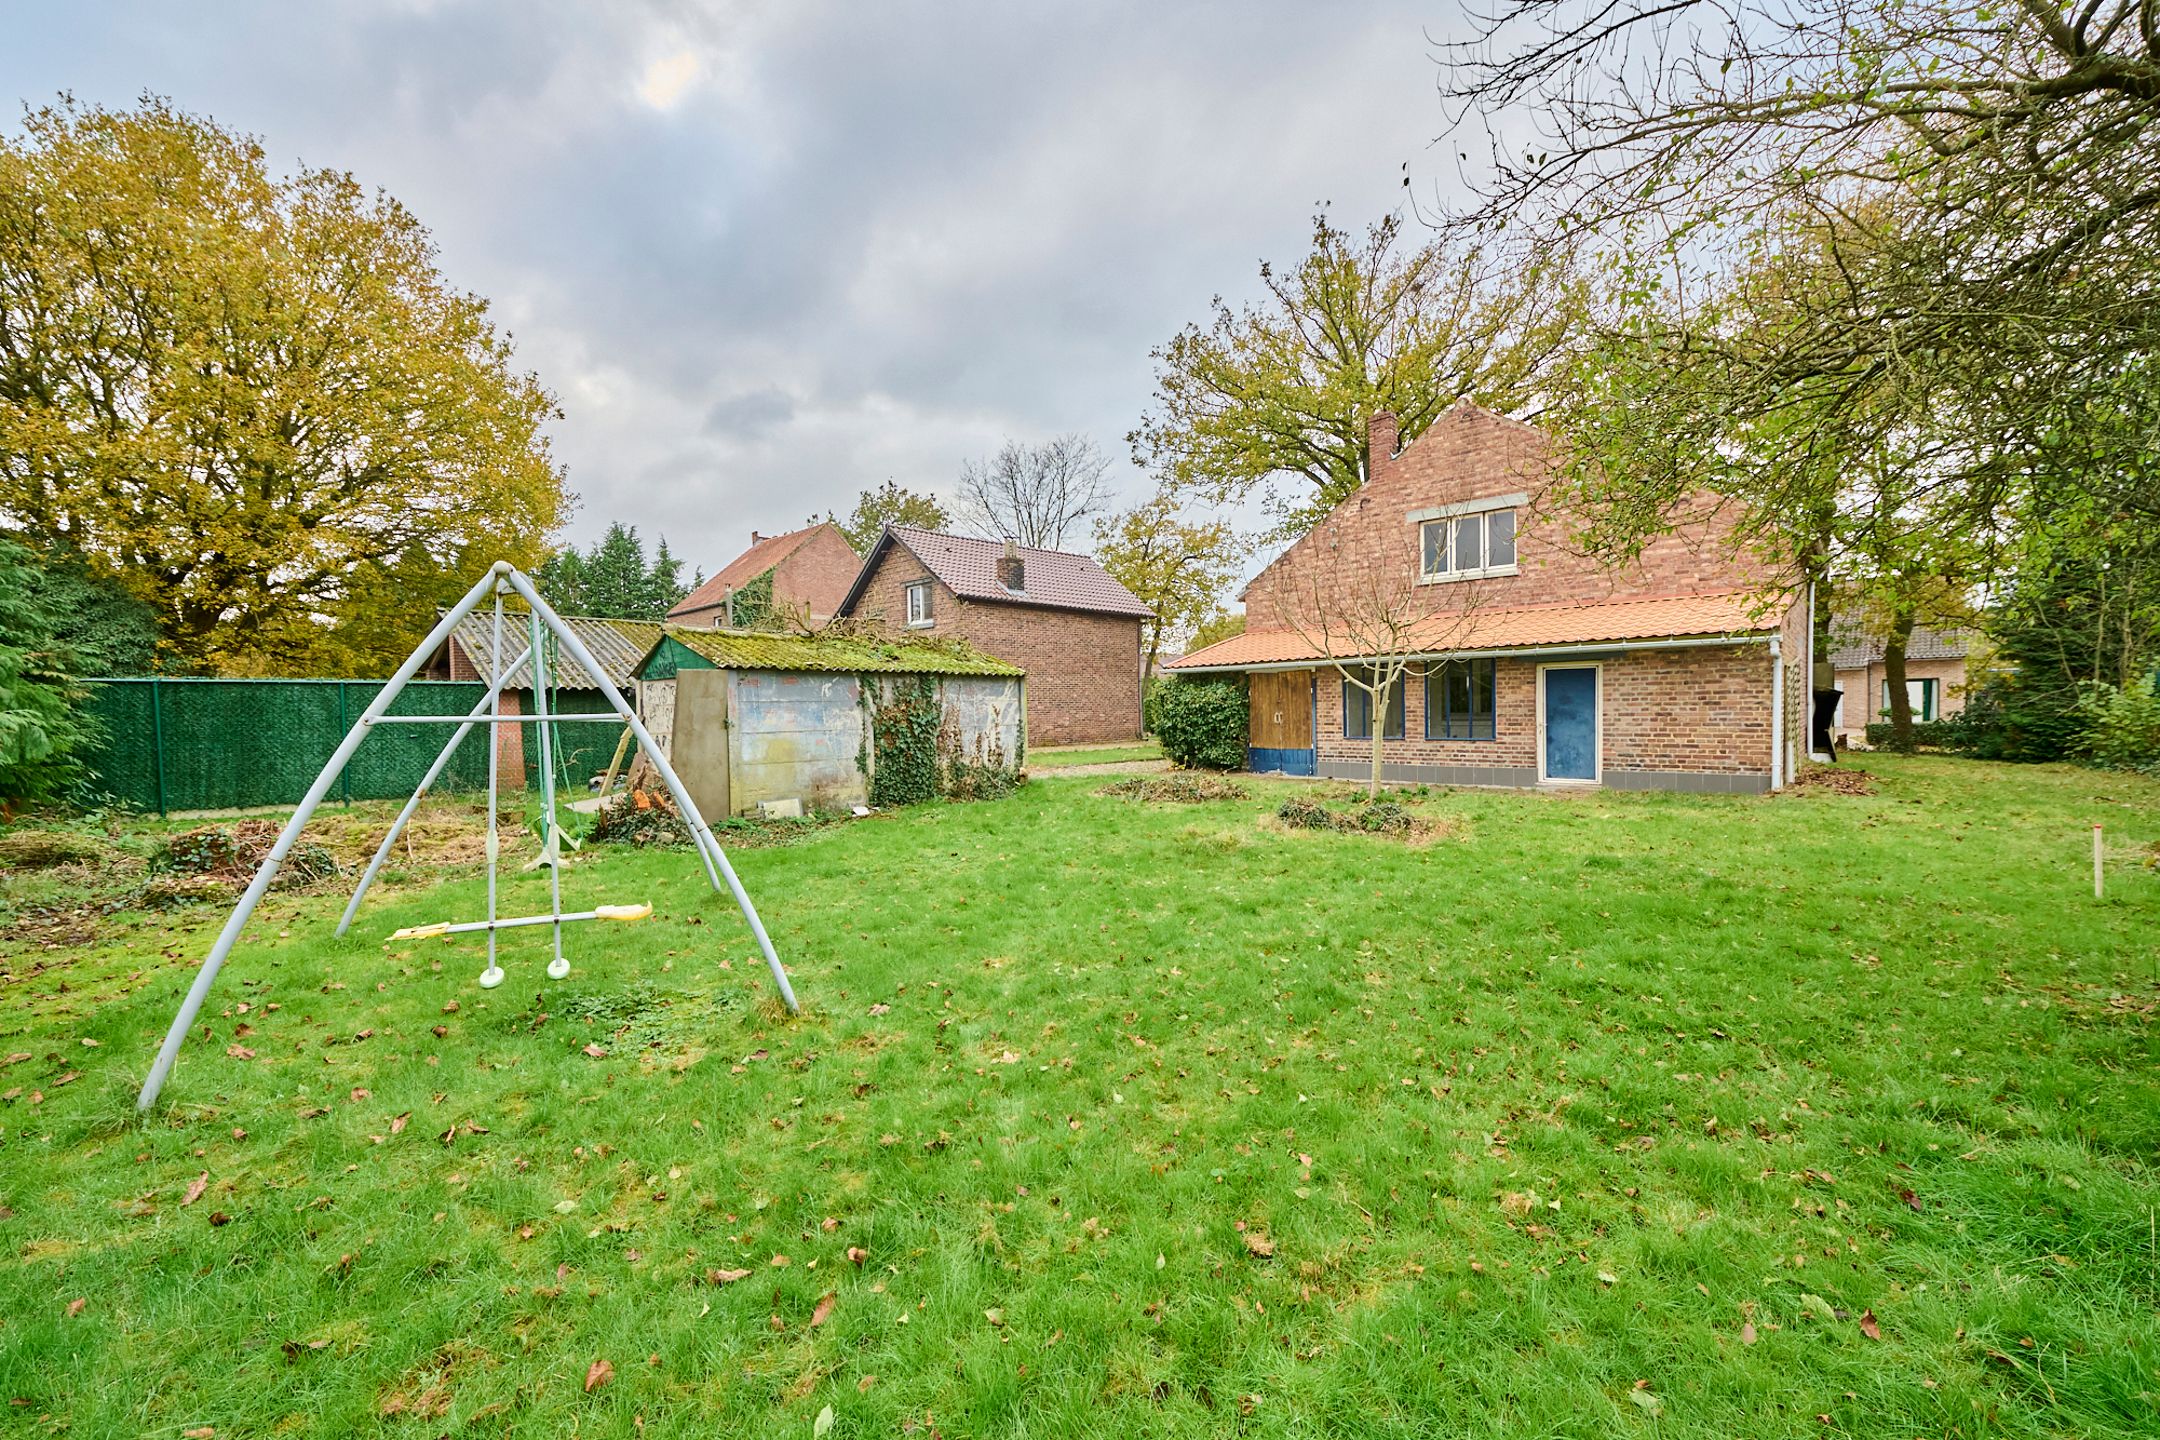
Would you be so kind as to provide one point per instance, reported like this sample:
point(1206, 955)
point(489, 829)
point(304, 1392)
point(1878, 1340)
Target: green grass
point(1535, 1118)
point(1056, 756)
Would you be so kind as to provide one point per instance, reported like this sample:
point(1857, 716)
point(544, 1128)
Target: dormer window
point(1469, 541)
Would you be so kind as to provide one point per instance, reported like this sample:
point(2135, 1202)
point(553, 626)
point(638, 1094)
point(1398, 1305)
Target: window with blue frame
point(1357, 708)
point(1459, 701)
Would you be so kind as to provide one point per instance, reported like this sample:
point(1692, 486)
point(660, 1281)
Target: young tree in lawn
point(1378, 628)
point(1039, 495)
point(1274, 399)
point(251, 399)
point(889, 504)
point(1179, 568)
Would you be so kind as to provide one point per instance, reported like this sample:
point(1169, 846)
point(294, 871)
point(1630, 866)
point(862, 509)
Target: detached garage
point(750, 719)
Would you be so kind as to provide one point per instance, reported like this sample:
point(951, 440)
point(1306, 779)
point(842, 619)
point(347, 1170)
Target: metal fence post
point(343, 725)
point(157, 743)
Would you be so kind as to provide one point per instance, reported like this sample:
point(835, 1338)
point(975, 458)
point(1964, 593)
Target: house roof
point(744, 568)
point(1523, 627)
point(845, 654)
point(617, 644)
point(1055, 579)
point(1852, 647)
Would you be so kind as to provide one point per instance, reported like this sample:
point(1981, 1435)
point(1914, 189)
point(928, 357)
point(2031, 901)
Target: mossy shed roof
point(680, 648)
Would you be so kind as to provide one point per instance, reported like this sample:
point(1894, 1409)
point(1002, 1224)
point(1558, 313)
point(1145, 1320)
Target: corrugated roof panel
point(617, 644)
point(1523, 627)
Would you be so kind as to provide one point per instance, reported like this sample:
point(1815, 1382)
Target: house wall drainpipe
point(1777, 712)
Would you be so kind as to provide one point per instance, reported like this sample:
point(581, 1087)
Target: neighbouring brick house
point(1058, 616)
point(1686, 670)
point(796, 579)
point(1934, 676)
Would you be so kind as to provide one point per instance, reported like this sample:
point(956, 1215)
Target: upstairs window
point(1463, 542)
point(1357, 709)
point(1459, 703)
point(918, 606)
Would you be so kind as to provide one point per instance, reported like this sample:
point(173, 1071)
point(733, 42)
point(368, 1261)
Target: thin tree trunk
point(1381, 693)
point(1893, 664)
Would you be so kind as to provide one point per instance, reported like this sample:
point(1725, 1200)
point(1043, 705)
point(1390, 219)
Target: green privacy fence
point(232, 744)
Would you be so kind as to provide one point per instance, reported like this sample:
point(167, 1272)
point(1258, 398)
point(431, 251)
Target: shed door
point(1570, 749)
point(1282, 710)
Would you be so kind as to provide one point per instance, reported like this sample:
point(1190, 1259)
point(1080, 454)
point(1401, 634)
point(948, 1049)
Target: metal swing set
point(541, 622)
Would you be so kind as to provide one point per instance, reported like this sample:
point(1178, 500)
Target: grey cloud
point(863, 242)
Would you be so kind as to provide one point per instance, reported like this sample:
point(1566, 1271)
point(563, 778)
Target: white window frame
point(1597, 723)
point(1448, 515)
point(928, 618)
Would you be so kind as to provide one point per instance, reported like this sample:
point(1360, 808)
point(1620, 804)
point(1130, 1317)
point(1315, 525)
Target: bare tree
point(1035, 494)
point(1379, 627)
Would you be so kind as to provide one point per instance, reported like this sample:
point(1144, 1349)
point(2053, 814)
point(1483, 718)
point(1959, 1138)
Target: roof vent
point(1011, 570)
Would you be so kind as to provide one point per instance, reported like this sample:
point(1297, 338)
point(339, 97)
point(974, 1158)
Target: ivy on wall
point(751, 606)
point(914, 751)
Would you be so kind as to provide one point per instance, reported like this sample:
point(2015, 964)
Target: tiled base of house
point(1523, 777)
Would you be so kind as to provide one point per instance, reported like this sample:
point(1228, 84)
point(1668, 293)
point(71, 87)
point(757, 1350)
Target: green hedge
point(1202, 723)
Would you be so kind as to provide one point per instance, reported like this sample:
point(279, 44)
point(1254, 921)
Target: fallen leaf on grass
point(995, 1316)
point(200, 1432)
point(596, 1052)
point(1641, 1396)
point(599, 1374)
point(725, 1277)
point(1910, 1199)
point(1818, 1307)
point(865, 1383)
point(856, 1255)
point(75, 1307)
point(397, 1125)
point(824, 1309)
point(1606, 1277)
point(1868, 1327)
point(219, 1217)
point(239, 1052)
point(195, 1188)
point(1257, 1242)
point(822, 1426)
point(1747, 1332)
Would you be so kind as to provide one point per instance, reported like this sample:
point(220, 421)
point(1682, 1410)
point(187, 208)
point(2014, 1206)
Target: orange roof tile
point(1525, 627)
point(744, 568)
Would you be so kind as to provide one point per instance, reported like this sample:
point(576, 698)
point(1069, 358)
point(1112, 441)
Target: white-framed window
point(919, 616)
point(1922, 695)
point(1467, 542)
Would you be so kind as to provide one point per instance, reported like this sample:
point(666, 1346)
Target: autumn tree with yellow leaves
point(251, 400)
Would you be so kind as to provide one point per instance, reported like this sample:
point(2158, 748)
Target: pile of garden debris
point(1370, 817)
point(1175, 789)
point(1836, 779)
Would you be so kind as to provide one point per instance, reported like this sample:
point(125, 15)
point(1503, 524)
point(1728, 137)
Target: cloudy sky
point(768, 255)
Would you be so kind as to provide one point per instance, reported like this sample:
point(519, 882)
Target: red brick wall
point(1083, 669)
point(1863, 690)
point(815, 576)
point(1703, 711)
point(1473, 454)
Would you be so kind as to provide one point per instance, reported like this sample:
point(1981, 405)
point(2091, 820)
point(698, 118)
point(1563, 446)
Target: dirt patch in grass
point(1175, 789)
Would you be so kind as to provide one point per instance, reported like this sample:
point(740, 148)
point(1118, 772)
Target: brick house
point(1934, 676)
point(795, 579)
point(1532, 663)
point(1058, 616)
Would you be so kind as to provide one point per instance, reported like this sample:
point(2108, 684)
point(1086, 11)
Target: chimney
point(756, 539)
point(1011, 571)
point(1381, 442)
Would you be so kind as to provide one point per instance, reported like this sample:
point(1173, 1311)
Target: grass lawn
point(1599, 1114)
point(1052, 757)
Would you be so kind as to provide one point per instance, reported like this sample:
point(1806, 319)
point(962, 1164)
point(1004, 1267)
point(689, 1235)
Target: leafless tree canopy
point(1040, 495)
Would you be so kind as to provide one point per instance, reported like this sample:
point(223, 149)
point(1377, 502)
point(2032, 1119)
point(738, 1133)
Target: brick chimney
point(1381, 437)
point(1011, 570)
point(756, 539)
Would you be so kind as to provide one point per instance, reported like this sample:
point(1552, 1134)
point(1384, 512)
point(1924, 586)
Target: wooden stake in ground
point(2096, 862)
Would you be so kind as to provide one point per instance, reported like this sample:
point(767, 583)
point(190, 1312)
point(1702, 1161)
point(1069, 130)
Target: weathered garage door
point(1281, 735)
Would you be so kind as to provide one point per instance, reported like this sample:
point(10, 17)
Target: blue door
point(1571, 723)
